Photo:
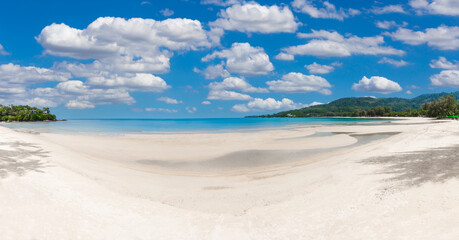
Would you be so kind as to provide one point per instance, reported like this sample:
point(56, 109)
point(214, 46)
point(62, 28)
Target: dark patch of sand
point(20, 158)
point(417, 168)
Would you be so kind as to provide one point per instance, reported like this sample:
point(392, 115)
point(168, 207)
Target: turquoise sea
point(179, 125)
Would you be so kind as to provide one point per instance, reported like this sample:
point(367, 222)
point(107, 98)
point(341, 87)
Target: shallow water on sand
point(179, 125)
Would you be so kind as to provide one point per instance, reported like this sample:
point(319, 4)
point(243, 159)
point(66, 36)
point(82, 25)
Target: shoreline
point(286, 126)
point(62, 186)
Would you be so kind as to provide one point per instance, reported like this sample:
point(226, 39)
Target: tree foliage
point(432, 105)
point(443, 107)
point(24, 113)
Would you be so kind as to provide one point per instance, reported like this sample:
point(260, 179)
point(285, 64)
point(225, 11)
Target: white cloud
point(169, 100)
point(74, 104)
point(74, 94)
point(234, 83)
point(80, 92)
point(319, 69)
point(138, 82)
point(221, 3)
point(219, 90)
point(2, 51)
point(408, 92)
point(121, 45)
point(333, 44)
point(227, 95)
point(244, 59)
point(268, 104)
point(328, 10)
point(442, 37)
point(253, 17)
point(12, 73)
point(388, 9)
point(165, 110)
point(441, 7)
point(443, 63)
point(167, 12)
point(389, 24)
point(285, 57)
point(191, 109)
point(145, 3)
point(40, 102)
point(446, 78)
point(15, 79)
point(206, 103)
point(397, 63)
point(313, 104)
point(109, 36)
point(376, 84)
point(298, 82)
point(213, 71)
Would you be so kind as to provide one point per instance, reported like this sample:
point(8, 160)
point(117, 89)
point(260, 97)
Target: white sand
point(55, 186)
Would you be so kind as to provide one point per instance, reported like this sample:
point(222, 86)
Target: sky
point(221, 58)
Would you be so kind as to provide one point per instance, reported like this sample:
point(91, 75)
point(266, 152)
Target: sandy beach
point(395, 180)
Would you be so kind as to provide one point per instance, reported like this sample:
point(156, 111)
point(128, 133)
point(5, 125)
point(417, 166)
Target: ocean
point(178, 125)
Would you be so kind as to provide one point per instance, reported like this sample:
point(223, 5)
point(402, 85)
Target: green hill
point(347, 106)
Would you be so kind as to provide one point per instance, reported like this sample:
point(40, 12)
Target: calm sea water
point(178, 125)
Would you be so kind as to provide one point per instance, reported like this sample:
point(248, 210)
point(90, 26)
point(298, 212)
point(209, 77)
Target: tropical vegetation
point(430, 105)
point(24, 113)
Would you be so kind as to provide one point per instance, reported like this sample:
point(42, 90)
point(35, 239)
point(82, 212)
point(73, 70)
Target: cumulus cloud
point(15, 79)
point(213, 71)
point(388, 9)
point(73, 94)
point(137, 82)
point(376, 84)
point(219, 90)
point(221, 3)
point(164, 110)
point(327, 10)
point(243, 59)
point(389, 24)
point(124, 54)
point(268, 104)
point(397, 63)
point(442, 37)
point(253, 17)
point(206, 103)
point(443, 63)
point(12, 73)
point(169, 100)
point(446, 78)
point(79, 91)
point(109, 36)
point(297, 82)
point(332, 44)
point(315, 68)
point(167, 12)
point(2, 51)
point(235, 83)
point(440, 7)
point(119, 45)
point(285, 57)
point(227, 95)
point(191, 109)
point(74, 104)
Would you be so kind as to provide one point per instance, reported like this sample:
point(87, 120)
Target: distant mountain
point(346, 106)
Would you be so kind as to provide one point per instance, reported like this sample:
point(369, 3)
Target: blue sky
point(215, 58)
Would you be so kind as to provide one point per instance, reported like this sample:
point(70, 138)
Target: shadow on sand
point(417, 168)
point(19, 158)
